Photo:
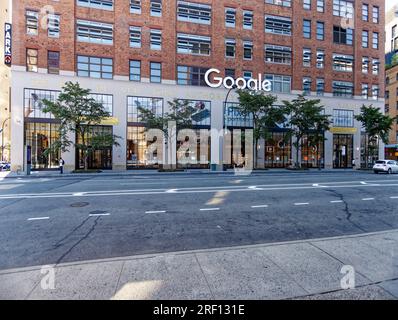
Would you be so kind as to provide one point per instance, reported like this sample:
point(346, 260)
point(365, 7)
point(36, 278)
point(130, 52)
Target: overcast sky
point(390, 4)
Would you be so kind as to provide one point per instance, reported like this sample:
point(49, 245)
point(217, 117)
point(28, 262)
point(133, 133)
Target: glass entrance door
point(343, 150)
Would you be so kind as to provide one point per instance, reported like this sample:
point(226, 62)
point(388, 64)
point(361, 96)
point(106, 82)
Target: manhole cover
point(79, 204)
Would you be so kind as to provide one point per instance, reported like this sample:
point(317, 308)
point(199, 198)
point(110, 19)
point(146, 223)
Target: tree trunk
point(298, 164)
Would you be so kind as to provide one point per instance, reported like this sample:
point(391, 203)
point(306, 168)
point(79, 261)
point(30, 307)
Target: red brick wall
point(121, 52)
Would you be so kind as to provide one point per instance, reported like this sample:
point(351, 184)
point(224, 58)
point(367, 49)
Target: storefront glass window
point(138, 155)
point(40, 136)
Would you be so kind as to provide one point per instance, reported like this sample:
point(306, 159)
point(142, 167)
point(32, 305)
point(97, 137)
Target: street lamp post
point(234, 87)
point(2, 138)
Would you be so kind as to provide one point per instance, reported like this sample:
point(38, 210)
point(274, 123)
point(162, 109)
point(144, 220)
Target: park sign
point(7, 44)
point(241, 83)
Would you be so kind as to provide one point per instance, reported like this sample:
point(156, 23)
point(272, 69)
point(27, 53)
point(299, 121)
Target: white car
point(387, 166)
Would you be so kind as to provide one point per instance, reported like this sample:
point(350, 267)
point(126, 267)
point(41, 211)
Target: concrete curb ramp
point(309, 269)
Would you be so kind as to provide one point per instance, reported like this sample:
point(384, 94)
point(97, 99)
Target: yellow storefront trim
point(342, 130)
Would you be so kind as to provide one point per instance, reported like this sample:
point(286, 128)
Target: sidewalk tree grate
point(79, 204)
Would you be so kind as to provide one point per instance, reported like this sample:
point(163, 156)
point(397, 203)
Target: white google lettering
point(240, 83)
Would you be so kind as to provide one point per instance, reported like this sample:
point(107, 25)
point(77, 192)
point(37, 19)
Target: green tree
point(377, 127)
point(306, 116)
point(78, 112)
point(179, 113)
point(261, 108)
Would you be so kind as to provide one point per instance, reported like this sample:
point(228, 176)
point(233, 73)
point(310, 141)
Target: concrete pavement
point(309, 269)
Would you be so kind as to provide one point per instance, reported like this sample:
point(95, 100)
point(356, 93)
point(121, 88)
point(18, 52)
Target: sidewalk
point(113, 173)
point(293, 270)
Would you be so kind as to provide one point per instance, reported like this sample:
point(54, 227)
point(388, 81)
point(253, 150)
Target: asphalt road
point(54, 220)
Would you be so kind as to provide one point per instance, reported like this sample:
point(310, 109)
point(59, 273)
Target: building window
point(343, 62)
point(233, 116)
point(248, 20)
point(247, 75)
point(193, 44)
point(106, 100)
point(99, 4)
point(53, 25)
point(230, 48)
point(202, 114)
point(285, 3)
point(247, 50)
point(307, 29)
point(307, 4)
point(135, 70)
point(342, 8)
point(41, 136)
point(320, 59)
point(33, 105)
point(135, 37)
point(53, 62)
point(365, 39)
point(31, 60)
point(375, 66)
point(95, 67)
point(156, 72)
point(343, 89)
point(320, 86)
point(375, 14)
point(343, 36)
point(375, 40)
point(156, 39)
point(279, 83)
point(307, 85)
point(365, 64)
point(134, 103)
point(278, 25)
point(156, 8)
point(320, 30)
point(375, 92)
point(193, 12)
point(320, 5)
point(135, 6)
point(230, 73)
point(32, 22)
point(365, 91)
point(278, 54)
point(193, 76)
point(307, 57)
point(94, 32)
point(343, 118)
point(365, 12)
point(230, 17)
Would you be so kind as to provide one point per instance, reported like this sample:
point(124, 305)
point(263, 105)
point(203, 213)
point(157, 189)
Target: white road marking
point(210, 209)
point(110, 193)
point(393, 197)
point(260, 206)
point(160, 211)
point(368, 199)
point(38, 218)
point(336, 201)
point(363, 182)
point(78, 194)
point(301, 204)
point(99, 214)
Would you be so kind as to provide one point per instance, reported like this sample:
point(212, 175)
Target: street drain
point(98, 212)
point(79, 204)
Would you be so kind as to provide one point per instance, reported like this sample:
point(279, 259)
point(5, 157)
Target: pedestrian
point(353, 163)
point(61, 165)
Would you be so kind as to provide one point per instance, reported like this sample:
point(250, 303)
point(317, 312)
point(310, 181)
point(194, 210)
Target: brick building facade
point(153, 51)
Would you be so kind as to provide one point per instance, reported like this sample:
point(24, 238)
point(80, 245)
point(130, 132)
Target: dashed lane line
point(38, 218)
